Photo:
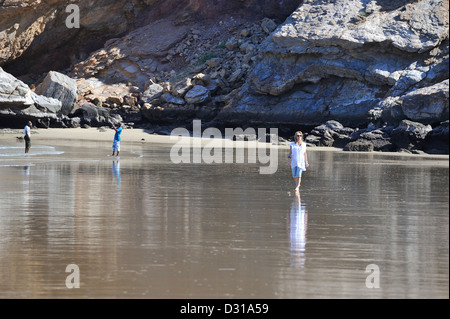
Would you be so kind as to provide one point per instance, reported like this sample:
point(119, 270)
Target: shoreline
point(104, 134)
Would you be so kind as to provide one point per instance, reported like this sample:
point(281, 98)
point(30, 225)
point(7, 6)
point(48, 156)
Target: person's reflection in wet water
point(116, 171)
point(26, 171)
point(298, 220)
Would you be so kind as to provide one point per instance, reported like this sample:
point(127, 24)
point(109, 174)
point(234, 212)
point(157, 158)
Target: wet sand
point(144, 227)
point(143, 137)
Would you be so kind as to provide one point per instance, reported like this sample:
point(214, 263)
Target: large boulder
point(152, 92)
point(379, 138)
point(410, 135)
point(332, 133)
point(437, 141)
point(426, 105)
point(46, 104)
point(359, 146)
point(92, 115)
point(197, 94)
point(61, 87)
point(13, 92)
point(18, 103)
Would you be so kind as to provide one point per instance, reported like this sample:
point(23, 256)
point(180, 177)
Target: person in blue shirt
point(116, 142)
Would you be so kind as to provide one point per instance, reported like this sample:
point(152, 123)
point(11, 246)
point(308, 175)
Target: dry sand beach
point(92, 134)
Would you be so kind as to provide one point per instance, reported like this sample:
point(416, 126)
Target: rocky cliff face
point(353, 61)
point(34, 37)
point(364, 63)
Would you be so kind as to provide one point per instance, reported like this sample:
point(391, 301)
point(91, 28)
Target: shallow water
point(144, 227)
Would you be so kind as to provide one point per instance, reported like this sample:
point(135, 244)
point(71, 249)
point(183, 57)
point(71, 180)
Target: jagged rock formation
point(34, 37)
point(18, 102)
point(190, 74)
point(353, 61)
point(368, 64)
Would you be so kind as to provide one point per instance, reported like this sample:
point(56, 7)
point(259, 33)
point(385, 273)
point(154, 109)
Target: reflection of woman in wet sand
point(298, 158)
point(298, 220)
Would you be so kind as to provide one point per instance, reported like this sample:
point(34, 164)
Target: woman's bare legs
point(297, 183)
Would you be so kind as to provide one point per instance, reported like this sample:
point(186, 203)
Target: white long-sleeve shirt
point(298, 155)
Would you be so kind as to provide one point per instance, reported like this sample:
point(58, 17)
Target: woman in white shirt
point(298, 158)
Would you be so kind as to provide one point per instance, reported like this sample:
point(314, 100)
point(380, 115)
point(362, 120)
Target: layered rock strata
point(352, 61)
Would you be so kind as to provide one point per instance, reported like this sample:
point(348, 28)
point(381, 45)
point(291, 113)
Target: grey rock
point(359, 146)
point(332, 133)
point(437, 141)
point(379, 139)
point(13, 92)
point(73, 122)
point(180, 88)
point(197, 94)
point(92, 115)
point(320, 137)
point(236, 76)
point(18, 100)
point(60, 87)
point(169, 98)
point(334, 125)
point(268, 25)
point(153, 91)
point(427, 104)
point(410, 135)
point(46, 104)
point(313, 140)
